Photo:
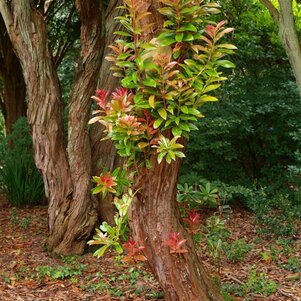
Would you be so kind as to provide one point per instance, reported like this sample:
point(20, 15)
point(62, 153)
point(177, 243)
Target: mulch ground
point(28, 272)
point(268, 261)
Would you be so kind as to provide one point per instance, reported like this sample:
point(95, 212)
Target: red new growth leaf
point(175, 243)
point(107, 182)
point(193, 220)
point(134, 252)
point(119, 92)
point(121, 101)
point(210, 30)
point(132, 247)
point(101, 98)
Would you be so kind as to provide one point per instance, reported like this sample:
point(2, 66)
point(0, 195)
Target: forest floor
point(254, 268)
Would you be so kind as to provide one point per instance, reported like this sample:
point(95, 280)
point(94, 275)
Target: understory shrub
point(20, 180)
point(276, 213)
point(251, 135)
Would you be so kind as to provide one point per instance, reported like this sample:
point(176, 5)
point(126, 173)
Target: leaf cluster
point(167, 79)
point(108, 236)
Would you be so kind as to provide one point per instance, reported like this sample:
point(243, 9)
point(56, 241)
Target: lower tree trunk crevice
point(154, 214)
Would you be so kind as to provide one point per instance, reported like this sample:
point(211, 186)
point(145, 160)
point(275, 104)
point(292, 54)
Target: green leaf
point(97, 189)
point(167, 42)
point(149, 65)
point(184, 126)
point(127, 25)
point(118, 248)
point(158, 122)
point(169, 121)
point(151, 101)
point(123, 56)
point(225, 64)
point(188, 27)
point(189, 10)
point(160, 157)
point(194, 111)
point(101, 251)
point(193, 127)
point(122, 33)
point(168, 23)
point(185, 109)
point(104, 227)
point(172, 155)
point(208, 98)
point(188, 37)
point(176, 131)
point(179, 37)
point(162, 112)
point(227, 46)
point(149, 82)
point(190, 62)
point(211, 87)
point(124, 64)
point(166, 11)
point(128, 147)
point(143, 144)
point(166, 34)
point(170, 109)
point(179, 154)
point(115, 172)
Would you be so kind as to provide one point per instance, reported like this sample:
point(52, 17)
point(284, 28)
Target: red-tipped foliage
point(134, 252)
point(193, 220)
point(101, 98)
point(175, 243)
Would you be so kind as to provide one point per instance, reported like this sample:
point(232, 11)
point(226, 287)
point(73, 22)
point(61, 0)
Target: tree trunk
point(13, 103)
point(154, 214)
point(74, 224)
point(72, 214)
point(290, 38)
point(103, 152)
point(284, 19)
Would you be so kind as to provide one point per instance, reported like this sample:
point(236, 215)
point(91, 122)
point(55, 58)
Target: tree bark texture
point(72, 214)
point(13, 104)
point(284, 19)
point(104, 154)
point(154, 214)
point(82, 211)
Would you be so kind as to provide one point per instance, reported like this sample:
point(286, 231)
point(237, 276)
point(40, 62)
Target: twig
point(233, 278)
point(291, 296)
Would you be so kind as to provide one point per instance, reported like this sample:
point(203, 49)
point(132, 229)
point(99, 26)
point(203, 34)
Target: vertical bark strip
point(290, 38)
point(82, 214)
point(284, 19)
point(103, 152)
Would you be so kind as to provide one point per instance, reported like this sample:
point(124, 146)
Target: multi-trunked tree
point(166, 77)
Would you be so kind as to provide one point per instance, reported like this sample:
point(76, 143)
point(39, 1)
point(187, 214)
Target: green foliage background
point(20, 180)
point(252, 134)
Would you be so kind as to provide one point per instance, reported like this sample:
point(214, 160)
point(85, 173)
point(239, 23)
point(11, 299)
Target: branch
point(272, 10)
point(50, 13)
point(59, 56)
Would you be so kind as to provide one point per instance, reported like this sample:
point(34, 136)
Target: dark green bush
point(250, 135)
point(20, 180)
